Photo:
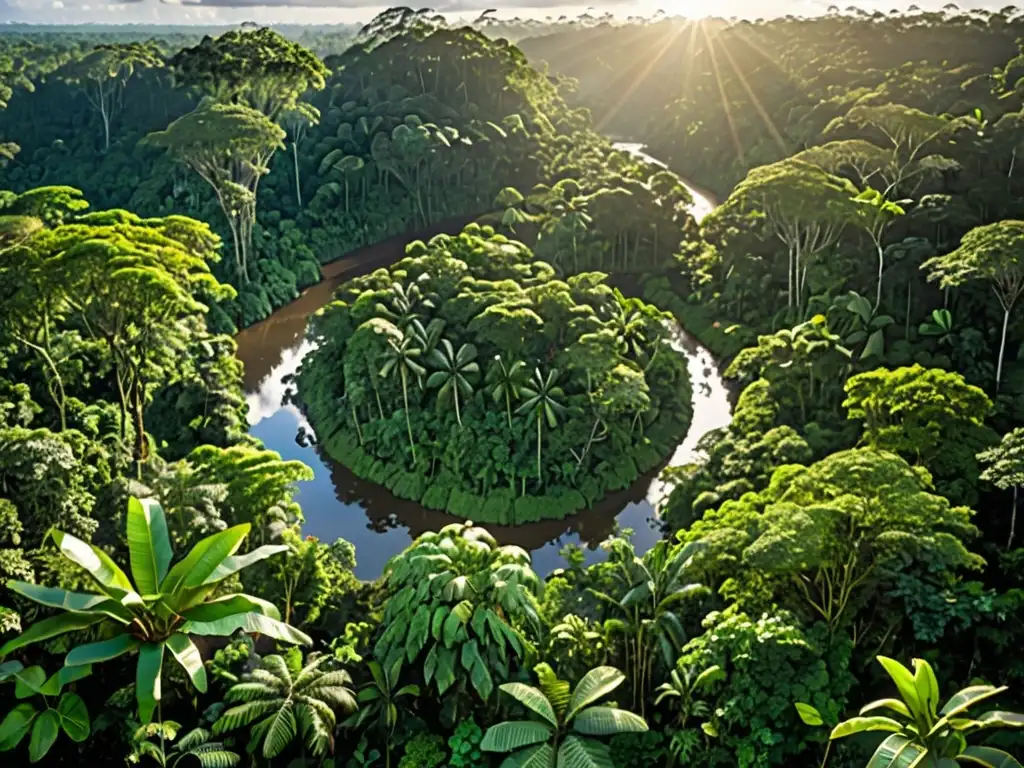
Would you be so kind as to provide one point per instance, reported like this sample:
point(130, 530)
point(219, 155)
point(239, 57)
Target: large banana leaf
point(234, 564)
point(247, 622)
point(200, 563)
point(864, 724)
point(76, 602)
point(515, 734)
point(532, 699)
point(186, 654)
point(149, 545)
point(102, 650)
point(896, 751)
point(598, 682)
point(539, 756)
point(608, 721)
point(147, 679)
point(583, 753)
point(905, 684)
point(229, 605)
point(52, 627)
point(989, 757)
point(968, 697)
point(97, 563)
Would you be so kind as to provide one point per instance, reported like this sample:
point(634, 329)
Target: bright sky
point(342, 11)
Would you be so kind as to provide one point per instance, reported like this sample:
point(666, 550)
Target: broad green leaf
point(147, 679)
point(29, 682)
point(808, 714)
point(968, 697)
point(102, 650)
point(76, 602)
point(904, 683)
point(539, 756)
point(989, 757)
point(235, 563)
point(52, 627)
point(418, 631)
point(97, 564)
point(201, 562)
point(896, 751)
point(248, 622)
point(532, 699)
point(862, 724)
point(583, 753)
point(1000, 720)
point(895, 705)
point(186, 654)
point(44, 733)
point(430, 663)
point(74, 717)
point(927, 687)
point(15, 725)
point(64, 676)
point(280, 729)
point(607, 721)
point(512, 735)
point(598, 682)
point(444, 676)
point(229, 605)
point(149, 545)
point(481, 679)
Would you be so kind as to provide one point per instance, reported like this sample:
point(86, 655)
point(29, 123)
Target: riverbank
point(338, 504)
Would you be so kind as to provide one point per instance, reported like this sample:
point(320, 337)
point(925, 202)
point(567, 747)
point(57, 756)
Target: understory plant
point(560, 737)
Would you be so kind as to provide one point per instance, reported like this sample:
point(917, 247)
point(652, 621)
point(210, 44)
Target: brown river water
point(336, 503)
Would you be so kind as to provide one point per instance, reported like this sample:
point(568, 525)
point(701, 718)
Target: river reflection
point(336, 503)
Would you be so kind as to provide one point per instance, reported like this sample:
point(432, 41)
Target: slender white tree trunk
point(881, 264)
point(1002, 347)
point(1013, 520)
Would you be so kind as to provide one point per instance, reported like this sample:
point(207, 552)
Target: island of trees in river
point(850, 537)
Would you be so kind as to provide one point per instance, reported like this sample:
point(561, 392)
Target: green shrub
point(424, 750)
point(498, 507)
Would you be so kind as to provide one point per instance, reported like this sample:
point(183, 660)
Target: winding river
point(336, 503)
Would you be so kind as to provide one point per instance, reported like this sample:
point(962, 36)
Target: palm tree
point(543, 403)
point(405, 303)
point(286, 698)
point(558, 738)
point(651, 586)
point(453, 373)
point(506, 382)
point(402, 356)
point(379, 701)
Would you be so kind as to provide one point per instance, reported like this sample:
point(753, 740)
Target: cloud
point(443, 6)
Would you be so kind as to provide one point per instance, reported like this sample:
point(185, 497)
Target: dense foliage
point(501, 377)
point(860, 283)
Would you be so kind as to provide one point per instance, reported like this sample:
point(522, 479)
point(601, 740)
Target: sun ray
point(670, 38)
point(725, 98)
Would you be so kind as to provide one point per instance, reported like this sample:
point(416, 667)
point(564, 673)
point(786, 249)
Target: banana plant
point(921, 735)
point(558, 739)
point(66, 713)
point(162, 609)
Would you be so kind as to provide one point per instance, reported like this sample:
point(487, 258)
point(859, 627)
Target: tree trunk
point(1002, 348)
point(295, 162)
point(881, 264)
point(1013, 520)
point(408, 423)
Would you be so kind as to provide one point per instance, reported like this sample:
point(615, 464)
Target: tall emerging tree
point(877, 214)
point(229, 146)
point(159, 608)
point(257, 68)
point(803, 206)
point(993, 252)
point(103, 73)
point(1006, 470)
